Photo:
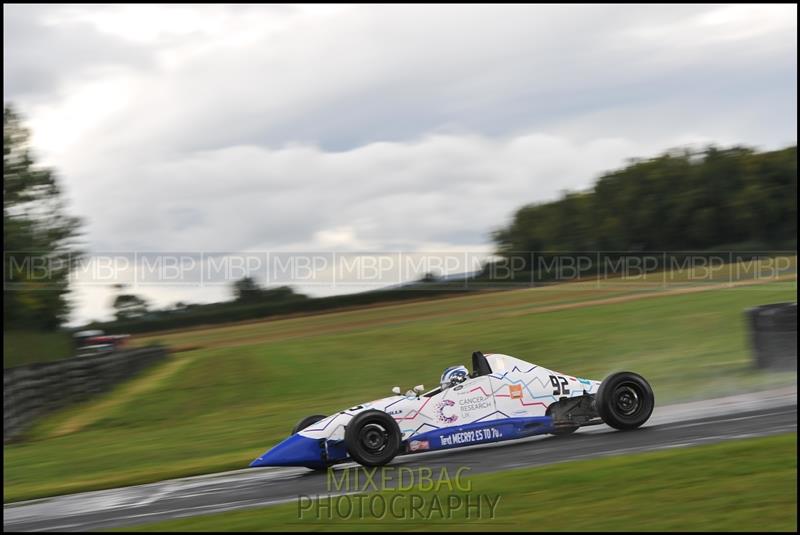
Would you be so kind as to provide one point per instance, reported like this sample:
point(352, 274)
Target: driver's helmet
point(453, 376)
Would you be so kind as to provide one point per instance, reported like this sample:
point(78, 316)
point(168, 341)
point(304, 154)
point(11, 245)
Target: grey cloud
point(397, 73)
point(38, 58)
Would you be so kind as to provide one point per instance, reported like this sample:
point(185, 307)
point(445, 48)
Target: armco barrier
point(32, 390)
point(773, 334)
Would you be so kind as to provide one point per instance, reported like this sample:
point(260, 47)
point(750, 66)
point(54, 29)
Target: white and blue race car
point(504, 398)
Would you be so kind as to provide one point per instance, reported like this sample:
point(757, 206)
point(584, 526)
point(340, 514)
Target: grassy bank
point(26, 347)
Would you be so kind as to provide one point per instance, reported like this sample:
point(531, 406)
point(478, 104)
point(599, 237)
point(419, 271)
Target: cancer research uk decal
point(468, 437)
point(472, 404)
point(440, 408)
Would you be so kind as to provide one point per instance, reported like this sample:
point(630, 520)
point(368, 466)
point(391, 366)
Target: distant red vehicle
point(96, 341)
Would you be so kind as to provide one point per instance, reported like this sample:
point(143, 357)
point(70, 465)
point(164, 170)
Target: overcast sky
point(291, 128)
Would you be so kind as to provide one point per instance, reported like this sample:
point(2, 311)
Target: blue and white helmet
point(453, 376)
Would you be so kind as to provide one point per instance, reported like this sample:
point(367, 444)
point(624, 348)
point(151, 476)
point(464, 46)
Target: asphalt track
point(688, 424)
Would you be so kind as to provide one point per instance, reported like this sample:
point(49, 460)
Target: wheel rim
point(626, 399)
point(374, 438)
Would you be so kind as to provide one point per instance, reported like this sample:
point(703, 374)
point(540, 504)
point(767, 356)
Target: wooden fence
point(33, 390)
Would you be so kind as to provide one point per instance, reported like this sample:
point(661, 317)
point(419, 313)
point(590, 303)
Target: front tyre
point(625, 400)
point(372, 438)
point(306, 422)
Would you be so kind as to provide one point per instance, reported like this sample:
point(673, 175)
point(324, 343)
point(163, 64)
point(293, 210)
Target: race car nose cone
point(294, 451)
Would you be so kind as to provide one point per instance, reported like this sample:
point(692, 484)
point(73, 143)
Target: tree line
point(717, 198)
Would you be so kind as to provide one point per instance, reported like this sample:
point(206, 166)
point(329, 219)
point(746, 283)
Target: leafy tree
point(246, 289)
point(130, 306)
point(180, 305)
point(39, 237)
point(429, 277)
point(680, 200)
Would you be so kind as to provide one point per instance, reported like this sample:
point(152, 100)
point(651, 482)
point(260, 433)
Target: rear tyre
point(306, 422)
point(625, 400)
point(372, 438)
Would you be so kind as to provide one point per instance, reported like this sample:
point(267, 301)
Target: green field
point(24, 347)
point(230, 392)
point(746, 485)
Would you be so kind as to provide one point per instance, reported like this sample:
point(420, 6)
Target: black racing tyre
point(561, 430)
point(307, 421)
point(372, 438)
point(625, 400)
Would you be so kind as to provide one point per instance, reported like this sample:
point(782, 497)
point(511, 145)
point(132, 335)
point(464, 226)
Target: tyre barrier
point(35, 389)
point(773, 335)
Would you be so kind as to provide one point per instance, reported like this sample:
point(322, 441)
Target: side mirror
point(396, 391)
point(419, 389)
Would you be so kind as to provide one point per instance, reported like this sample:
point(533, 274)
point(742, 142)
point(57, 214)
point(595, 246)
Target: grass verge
point(745, 485)
point(26, 347)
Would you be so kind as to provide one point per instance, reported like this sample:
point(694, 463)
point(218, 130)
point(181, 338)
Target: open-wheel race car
point(503, 398)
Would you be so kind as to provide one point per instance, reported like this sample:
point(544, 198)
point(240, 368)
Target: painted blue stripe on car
point(483, 432)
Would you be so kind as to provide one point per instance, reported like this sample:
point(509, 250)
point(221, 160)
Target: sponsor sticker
point(467, 437)
point(515, 391)
point(468, 405)
point(419, 445)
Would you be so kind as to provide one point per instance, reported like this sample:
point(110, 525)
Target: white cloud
point(436, 190)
